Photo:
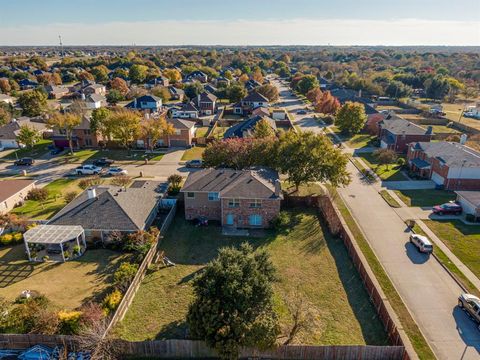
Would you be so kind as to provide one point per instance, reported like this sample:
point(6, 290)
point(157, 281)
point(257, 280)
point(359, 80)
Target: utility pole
point(61, 45)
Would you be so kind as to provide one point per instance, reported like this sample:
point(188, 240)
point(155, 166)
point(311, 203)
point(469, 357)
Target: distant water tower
point(61, 45)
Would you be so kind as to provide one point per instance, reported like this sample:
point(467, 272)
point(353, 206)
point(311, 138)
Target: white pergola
point(54, 234)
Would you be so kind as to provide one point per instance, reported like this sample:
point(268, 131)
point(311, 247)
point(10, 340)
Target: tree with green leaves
point(351, 118)
point(397, 89)
point(162, 92)
point(269, 91)
point(385, 157)
point(193, 89)
point(156, 129)
point(28, 136)
point(33, 102)
point(100, 124)
point(307, 83)
point(126, 126)
point(263, 129)
point(235, 92)
point(65, 123)
point(233, 305)
point(114, 96)
point(138, 73)
point(307, 157)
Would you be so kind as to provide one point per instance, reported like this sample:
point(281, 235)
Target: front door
point(230, 219)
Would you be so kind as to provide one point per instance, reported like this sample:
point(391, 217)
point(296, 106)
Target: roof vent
point(91, 193)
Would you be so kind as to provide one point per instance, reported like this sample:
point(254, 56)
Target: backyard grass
point(195, 152)
point(67, 285)
point(441, 129)
point(37, 210)
point(303, 190)
point(201, 131)
point(463, 240)
point(389, 199)
point(425, 197)
point(419, 343)
point(39, 149)
point(388, 172)
point(311, 265)
point(218, 132)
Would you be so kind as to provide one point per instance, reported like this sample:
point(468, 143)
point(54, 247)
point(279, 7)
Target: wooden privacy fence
point(147, 261)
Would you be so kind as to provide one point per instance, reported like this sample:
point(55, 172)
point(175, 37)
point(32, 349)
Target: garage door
point(437, 179)
point(178, 143)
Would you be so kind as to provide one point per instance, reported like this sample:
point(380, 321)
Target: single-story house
point(237, 198)
point(470, 201)
point(146, 102)
point(246, 128)
point(196, 76)
point(26, 84)
point(395, 134)
point(450, 165)
point(57, 92)
point(13, 192)
point(10, 131)
point(102, 209)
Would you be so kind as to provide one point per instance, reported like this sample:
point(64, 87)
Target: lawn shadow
point(190, 277)
point(13, 273)
point(464, 229)
point(177, 329)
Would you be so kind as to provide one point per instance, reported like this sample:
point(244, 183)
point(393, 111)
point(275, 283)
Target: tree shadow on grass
point(177, 329)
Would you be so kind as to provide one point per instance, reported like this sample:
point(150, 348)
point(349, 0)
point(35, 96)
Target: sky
point(240, 22)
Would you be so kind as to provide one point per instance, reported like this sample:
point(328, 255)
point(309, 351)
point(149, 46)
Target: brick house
point(146, 102)
point(10, 131)
point(206, 103)
point(238, 198)
point(249, 103)
point(82, 136)
point(245, 129)
point(196, 75)
point(450, 165)
point(184, 133)
point(13, 192)
point(395, 134)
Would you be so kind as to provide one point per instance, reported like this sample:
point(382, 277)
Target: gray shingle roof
point(255, 97)
point(471, 196)
point(400, 126)
point(246, 127)
point(452, 154)
point(257, 183)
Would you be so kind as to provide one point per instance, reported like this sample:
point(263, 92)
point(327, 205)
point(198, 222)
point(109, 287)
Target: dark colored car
point(450, 208)
point(471, 305)
point(301, 112)
point(103, 162)
point(196, 163)
point(24, 162)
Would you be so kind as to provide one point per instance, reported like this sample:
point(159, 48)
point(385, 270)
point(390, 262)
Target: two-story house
point(186, 111)
point(246, 129)
point(237, 198)
point(450, 165)
point(249, 103)
point(146, 102)
point(395, 134)
point(206, 103)
point(196, 76)
point(82, 136)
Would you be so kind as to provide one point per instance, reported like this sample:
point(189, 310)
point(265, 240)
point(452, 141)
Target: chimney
point(463, 139)
point(198, 100)
point(278, 188)
point(83, 96)
point(429, 130)
point(135, 103)
point(92, 193)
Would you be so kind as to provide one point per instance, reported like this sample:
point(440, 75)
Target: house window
point(190, 195)
point(213, 196)
point(255, 220)
point(88, 142)
point(86, 131)
point(256, 203)
point(233, 203)
point(178, 132)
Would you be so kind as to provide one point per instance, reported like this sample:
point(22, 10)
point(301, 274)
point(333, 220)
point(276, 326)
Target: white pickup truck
point(88, 170)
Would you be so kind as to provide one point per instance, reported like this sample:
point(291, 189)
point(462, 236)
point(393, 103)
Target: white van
point(422, 243)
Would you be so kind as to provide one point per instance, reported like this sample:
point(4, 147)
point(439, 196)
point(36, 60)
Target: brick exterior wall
point(402, 141)
point(201, 206)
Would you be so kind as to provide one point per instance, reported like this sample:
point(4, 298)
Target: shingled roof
point(399, 126)
point(451, 153)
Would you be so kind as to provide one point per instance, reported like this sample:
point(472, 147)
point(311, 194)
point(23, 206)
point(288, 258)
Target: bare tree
point(95, 340)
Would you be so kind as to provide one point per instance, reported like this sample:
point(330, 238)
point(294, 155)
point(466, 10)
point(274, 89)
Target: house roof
point(10, 131)
point(9, 188)
point(175, 91)
point(399, 126)
point(53, 89)
point(255, 97)
point(145, 98)
point(473, 197)
point(52, 234)
point(255, 183)
point(113, 208)
point(95, 98)
point(451, 153)
point(181, 123)
point(206, 97)
point(246, 127)
point(189, 107)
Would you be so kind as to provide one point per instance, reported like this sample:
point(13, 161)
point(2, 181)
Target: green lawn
point(218, 132)
point(463, 240)
point(39, 149)
point(88, 155)
point(355, 141)
point(37, 210)
point(310, 263)
point(426, 197)
point(390, 172)
point(67, 285)
point(201, 131)
point(303, 190)
point(389, 199)
point(195, 152)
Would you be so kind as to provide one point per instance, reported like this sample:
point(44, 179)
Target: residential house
point(27, 84)
point(103, 209)
point(450, 165)
point(261, 111)
point(210, 89)
point(82, 136)
point(184, 133)
point(10, 131)
point(222, 81)
point(13, 192)
point(186, 111)
point(470, 201)
point(98, 89)
point(146, 102)
point(395, 134)
point(6, 99)
point(279, 114)
point(324, 83)
point(196, 76)
point(237, 198)
point(57, 92)
point(249, 103)
point(245, 129)
point(176, 93)
point(251, 85)
point(158, 81)
point(206, 103)
point(95, 101)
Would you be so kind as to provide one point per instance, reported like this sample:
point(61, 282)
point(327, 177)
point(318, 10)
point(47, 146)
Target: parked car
point(421, 243)
point(450, 208)
point(103, 162)
point(116, 171)
point(197, 163)
point(301, 112)
point(26, 161)
point(88, 170)
point(471, 305)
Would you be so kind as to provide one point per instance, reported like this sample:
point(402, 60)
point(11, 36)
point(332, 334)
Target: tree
point(120, 85)
point(172, 75)
point(65, 123)
point(263, 129)
point(397, 89)
point(100, 73)
point(351, 118)
point(437, 87)
point(308, 157)
point(28, 136)
point(156, 129)
point(5, 113)
point(114, 96)
point(257, 75)
point(5, 86)
point(236, 92)
point(327, 104)
point(314, 95)
point(85, 75)
point(233, 305)
point(243, 78)
point(162, 92)
point(307, 83)
point(126, 126)
point(138, 73)
point(193, 89)
point(269, 91)
point(33, 102)
point(99, 123)
point(385, 156)
point(175, 180)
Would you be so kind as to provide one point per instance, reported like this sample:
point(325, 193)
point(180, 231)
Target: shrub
point(38, 194)
point(122, 180)
point(140, 242)
point(329, 119)
point(66, 253)
point(17, 237)
point(69, 196)
point(284, 221)
point(76, 250)
point(89, 181)
point(111, 301)
point(124, 275)
point(69, 322)
point(6, 239)
point(401, 162)
point(91, 313)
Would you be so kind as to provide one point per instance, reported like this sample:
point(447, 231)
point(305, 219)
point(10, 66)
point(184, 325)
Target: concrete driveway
point(425, 287)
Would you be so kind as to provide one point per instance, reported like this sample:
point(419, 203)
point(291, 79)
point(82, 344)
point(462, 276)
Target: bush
point(112, 300)
point(17, 237)
point(284, 221)
point(66, 253)
point(122, 180)
point(89, 181)
point(38, 194)
point(124, 275)
point(92, 313)
point(69, 322)
point(140, 242)
point(329, 119)
point(76, 250)
point(6, 239)
point(401, 162)
point(69, 196)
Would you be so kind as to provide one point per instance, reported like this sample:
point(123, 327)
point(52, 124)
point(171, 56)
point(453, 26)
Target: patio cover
point(52, 234)
point(420, 164)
